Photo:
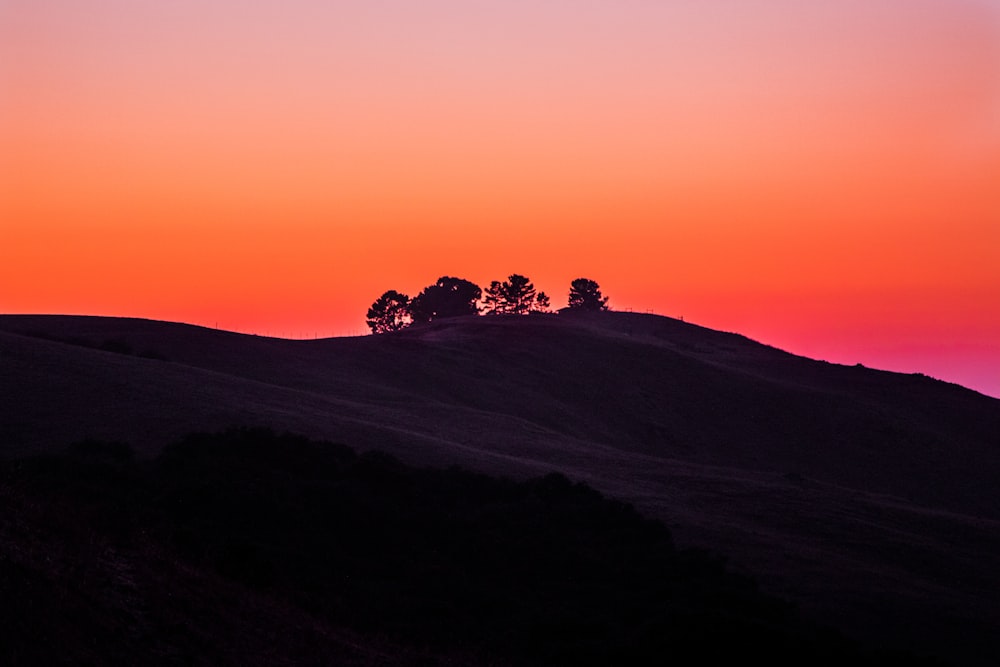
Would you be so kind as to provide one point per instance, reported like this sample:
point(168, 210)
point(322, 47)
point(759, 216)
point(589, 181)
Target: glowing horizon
point(821, 177)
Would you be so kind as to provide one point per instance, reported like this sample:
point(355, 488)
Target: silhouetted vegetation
point(445, 562)
point(542, 303)
point(390, 312)
point(585, 294)
point(493, 299)
point(454, 297)
point(516, 296)
point(448, 297)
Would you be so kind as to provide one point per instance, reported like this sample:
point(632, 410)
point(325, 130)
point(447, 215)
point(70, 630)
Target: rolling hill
point(869, 498)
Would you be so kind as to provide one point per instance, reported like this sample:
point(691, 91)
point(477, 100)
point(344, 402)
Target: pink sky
point(820, 176)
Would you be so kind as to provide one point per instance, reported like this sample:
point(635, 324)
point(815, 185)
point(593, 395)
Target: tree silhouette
point(493, 299)
point(454, 297)
point(518, 293)
point(390, 312)
point(585, 294)
point(448, 297)
point(542, 303)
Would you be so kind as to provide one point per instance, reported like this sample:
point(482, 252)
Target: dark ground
point(249, 548)
point(868, 498)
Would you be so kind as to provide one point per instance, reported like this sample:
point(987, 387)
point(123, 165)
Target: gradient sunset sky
point(820, 176)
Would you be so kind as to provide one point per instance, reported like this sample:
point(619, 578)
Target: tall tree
point(585, 294)
point(493, 299)
point(390, 312)
point(542, 303)
point(518, 293)
point(448, 297)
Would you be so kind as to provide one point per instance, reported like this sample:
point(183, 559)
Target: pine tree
point(542, 304)
point(518, 294)
point(493, 299)
point(585, 294)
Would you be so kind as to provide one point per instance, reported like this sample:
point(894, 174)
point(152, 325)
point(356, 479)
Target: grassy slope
point(247, 548)
point(860, 493)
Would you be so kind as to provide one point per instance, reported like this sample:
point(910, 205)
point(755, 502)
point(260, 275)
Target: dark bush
point(546, 571)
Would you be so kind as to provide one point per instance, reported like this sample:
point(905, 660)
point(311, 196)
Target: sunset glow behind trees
point(820, 176)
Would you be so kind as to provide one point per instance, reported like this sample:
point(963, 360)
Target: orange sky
point(821, 176)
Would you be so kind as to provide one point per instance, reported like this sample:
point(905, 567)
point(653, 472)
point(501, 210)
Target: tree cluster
point(516, 296)
point(454, 297)
point(448, 297)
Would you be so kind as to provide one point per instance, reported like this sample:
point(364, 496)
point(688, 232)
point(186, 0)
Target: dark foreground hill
point(247, 548)
point(869, 498)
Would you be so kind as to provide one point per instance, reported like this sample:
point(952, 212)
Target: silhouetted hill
point(363, 559)
point(868, 497)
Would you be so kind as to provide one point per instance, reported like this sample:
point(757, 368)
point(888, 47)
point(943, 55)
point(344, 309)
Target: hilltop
point(862, 495)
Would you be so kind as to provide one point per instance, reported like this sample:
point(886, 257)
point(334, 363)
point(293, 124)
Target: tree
point(448, 297)
point(542, 304)
point(390, 312)
point(515, 295)
point(518, 294)
point(585, 294)
point(493, 300)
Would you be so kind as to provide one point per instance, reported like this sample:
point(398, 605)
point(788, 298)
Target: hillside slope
point(862, 494)
point(248, 548)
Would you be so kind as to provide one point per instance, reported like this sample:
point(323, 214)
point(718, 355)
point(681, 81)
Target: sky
point(819, 176)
